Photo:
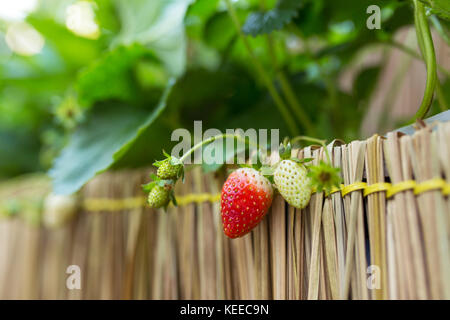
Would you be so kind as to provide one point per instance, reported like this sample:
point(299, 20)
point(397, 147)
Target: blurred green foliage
point(82, 106)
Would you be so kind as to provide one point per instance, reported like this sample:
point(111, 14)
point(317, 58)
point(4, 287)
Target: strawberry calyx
point(170, 167)
point(285, 149)
point(323, 176)
point(261, 165)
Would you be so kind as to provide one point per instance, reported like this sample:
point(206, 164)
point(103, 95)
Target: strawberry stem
point(315, 140)
point(286, 87)
point(426, 47)
point(279, 103)
point(212, 139)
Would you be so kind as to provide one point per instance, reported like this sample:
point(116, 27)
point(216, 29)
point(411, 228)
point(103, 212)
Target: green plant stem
point(286, 87)
point(262, 73)
point(314, 140)
point(299, 112)
point(212, 139)
point(419, 29)
point(426, 46)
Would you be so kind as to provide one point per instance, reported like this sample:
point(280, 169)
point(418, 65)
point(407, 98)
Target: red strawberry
point(246, 198)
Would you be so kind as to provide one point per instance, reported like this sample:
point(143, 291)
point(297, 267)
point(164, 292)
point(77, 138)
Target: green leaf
point(157, 24)
point(99, 143)
point(265, 22)
point(19, 153)
point(440, 7)
point(111, 76)
point(75, 51)
point(106, 17)
point(219, 31)
point(149, 186)
point(197, 15)
point(158, 163)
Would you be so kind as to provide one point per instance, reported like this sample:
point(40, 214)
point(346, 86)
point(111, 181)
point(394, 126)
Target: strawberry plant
point(83, 103)
point(247, 193)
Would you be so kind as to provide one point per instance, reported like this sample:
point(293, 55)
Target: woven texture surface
point(357, 244)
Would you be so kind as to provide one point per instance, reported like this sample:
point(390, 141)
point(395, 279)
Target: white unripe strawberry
point(293, 183)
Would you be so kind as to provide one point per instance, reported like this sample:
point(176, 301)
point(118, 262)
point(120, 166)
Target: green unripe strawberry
point(158, 197)
point(293, 183)
point(167, 170)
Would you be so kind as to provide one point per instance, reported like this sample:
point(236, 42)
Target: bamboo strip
point(340, 223)
point(330, 245)
point(357, 151)
point(346, 174)
point(391, 253)
point(215, 187)
point(205, 241)
point(406, 223)
point(443, 132)
point(278, 245)
point(376, 217)
point(316, 246)
point(299, 246)
point(186, 244)
point(329, 240)
point(431, 208)
point(277, 229)
point(266, 277)
point(321, 252)
point(291, 254)
point(306, 232)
